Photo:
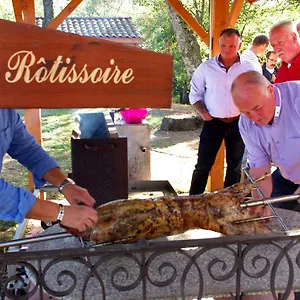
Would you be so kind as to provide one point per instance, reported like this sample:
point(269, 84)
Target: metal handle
point(99, 147)
point(30, 240)
point(271, 200)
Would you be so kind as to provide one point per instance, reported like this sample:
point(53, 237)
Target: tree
point(48, 12)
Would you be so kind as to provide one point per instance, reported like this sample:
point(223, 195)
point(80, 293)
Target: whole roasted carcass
point(131, 220)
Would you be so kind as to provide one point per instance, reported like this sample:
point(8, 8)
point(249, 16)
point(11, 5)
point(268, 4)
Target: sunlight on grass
point(154, 122)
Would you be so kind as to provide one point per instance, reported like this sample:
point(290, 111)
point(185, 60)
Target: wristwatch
point(67, 181)
point(61, 213)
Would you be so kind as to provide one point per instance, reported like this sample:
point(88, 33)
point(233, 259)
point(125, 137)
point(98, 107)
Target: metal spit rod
point(31, 240)
point(271, 200)
point(281, 223)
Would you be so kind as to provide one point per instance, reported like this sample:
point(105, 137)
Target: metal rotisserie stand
point(192, 265)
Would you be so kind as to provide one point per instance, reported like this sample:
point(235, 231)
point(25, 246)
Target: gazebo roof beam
point(236, 8)
point(64, 14)
point(190, 20)
point(18, 10)
point(28, 11)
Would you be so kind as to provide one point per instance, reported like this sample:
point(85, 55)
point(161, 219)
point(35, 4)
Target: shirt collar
point(217, 58)
point(294, 62)
point(278, 103)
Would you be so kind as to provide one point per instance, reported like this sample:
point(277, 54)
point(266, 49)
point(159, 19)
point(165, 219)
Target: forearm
point(266, 185)
point(54, 176)
point(201, 109)
point(77, 217)
point(44, 210)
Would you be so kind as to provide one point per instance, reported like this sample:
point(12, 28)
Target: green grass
point(7, 230)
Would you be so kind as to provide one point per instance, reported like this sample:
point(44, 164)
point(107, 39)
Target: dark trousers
point(211, 137)
point(281, 187)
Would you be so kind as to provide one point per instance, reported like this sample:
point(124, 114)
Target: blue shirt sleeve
point(15, 140)
point(24, 148)
point(256, 156)
point(15, 202)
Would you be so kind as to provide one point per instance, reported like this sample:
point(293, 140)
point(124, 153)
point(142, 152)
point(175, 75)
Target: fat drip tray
point(148, 188)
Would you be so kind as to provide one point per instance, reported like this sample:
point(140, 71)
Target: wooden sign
point(46, 68)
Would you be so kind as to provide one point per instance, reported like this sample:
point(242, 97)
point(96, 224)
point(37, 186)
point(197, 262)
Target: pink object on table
point(134, 115)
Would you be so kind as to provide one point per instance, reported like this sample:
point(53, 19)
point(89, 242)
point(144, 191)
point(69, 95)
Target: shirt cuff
point(43, 168)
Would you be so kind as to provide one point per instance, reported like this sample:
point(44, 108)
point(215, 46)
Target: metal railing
point(185, 269)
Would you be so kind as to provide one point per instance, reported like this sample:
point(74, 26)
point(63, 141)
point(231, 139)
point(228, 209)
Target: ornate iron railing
point(185, 269)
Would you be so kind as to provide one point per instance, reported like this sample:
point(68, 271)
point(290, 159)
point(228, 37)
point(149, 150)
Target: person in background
point(17, 203)
point(284, 39)
point(258, 47)
point(210, 96)
point(269, 67)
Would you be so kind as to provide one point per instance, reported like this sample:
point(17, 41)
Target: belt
point(228, 120)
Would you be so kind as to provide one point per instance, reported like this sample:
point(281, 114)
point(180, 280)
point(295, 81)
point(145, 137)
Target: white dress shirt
point(253, 59)
point(211, 83)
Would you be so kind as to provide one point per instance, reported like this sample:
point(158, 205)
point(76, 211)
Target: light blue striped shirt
point(15, 140)
point(280, 142)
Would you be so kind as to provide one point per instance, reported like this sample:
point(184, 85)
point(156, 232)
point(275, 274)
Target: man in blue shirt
point(270, 130)
point(17, 203)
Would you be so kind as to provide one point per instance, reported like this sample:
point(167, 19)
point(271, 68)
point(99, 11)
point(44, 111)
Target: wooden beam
point(190, 20)
point(64, 14)
point(18, 10)
point(236, 8)
point(33, 123)
point(218, 22)
point(32, 116)
point(28, 11)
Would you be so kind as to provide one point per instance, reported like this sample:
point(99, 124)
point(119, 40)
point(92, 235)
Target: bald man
point(270, 129)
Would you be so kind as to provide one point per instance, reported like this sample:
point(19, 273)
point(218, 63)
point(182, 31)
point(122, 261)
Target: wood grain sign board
point(46, 68)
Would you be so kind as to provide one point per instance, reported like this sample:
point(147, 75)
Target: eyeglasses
point(273, 60)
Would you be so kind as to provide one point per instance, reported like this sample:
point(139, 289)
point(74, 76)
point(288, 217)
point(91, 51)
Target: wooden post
point(25, 12)
point(219, 12)
point(33, 116)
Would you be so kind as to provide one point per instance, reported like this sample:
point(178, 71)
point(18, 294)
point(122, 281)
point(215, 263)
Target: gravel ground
point(3, 277)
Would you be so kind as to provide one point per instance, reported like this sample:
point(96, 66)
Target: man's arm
point(73, 193)
point(75, 216)
point(201, 109)
point(265, 185)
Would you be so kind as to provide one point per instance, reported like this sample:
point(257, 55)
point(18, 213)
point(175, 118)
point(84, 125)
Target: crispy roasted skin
point(157, 217)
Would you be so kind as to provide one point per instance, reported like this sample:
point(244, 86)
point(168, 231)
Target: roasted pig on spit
point(131, 220)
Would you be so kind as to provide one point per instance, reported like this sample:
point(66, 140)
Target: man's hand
point(207, 117)
point(76, 194)
point(261, 211)
point(79, 217)
point(202, 110)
